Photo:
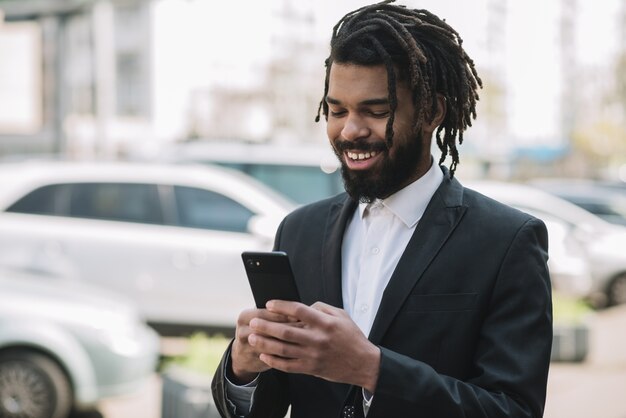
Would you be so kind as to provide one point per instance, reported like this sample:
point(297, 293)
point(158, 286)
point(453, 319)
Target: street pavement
point(597, 387)
point(593, 388)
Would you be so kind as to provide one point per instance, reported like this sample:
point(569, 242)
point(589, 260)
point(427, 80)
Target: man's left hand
point(325, 343)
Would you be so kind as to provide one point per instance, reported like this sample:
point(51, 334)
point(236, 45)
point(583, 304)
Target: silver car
point(169, 237)
point(604, 199)
point(65, 345)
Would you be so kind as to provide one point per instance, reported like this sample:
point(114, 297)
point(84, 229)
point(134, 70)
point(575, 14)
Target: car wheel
point(32, 386)
point(617, 290)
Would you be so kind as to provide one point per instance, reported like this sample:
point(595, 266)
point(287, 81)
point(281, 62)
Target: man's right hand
point(244, 359)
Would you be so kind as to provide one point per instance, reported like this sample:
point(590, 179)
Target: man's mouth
point(360, 156)
point(361, 160)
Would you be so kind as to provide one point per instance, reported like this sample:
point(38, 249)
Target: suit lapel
point(338, 216)
point(442, 215)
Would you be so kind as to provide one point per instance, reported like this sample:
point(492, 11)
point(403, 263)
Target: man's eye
point(381, 114)
point(337, 113)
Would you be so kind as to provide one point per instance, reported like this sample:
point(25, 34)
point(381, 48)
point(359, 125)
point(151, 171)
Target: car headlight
point(121, 344)
point(123, 338)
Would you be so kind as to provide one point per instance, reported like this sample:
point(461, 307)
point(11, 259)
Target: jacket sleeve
point(512, 354)
point(270, 400)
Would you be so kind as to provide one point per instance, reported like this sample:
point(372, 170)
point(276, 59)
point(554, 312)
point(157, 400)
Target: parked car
point(604, 199)
point(602, 243)
point(570, 271)
point(168, 236)
point(65, 345)
point(302, 172)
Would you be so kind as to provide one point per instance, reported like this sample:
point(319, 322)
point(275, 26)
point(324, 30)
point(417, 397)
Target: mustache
point(360, 145)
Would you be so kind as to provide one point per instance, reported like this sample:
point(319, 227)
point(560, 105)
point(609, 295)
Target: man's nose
point(355, 127)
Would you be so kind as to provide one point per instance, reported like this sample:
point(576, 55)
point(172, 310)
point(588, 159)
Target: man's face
point(358, 110)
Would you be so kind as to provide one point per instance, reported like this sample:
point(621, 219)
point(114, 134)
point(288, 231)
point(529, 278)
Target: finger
point(289, 365)
point(292, 319)
point(267, 345)
point(273, 316)
point(292, 332)
point(243, 331)
point(247, 315)
point(328, 309)
point(296, 310)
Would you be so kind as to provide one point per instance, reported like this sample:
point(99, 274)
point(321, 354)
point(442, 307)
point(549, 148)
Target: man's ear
point(432, 122)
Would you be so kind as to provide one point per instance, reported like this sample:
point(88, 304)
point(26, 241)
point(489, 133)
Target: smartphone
point(270, 276)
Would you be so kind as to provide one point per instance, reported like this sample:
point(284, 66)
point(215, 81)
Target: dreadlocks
point(426, 52)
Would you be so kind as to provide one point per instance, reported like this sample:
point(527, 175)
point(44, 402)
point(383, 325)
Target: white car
point(169, 237)
point(601, 244)
point(66, 346)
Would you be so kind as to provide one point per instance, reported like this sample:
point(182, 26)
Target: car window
point(126, 202)
point(597, 208)
point(301, 184)
point(47, 200)
point(199, 208)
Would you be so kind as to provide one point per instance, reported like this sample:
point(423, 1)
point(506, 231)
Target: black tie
point(353, 405)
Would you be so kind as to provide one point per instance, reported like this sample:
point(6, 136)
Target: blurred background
point(144, 144)
point(112, 78)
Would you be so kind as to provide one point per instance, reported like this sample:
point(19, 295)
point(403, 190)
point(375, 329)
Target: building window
point(131, 56)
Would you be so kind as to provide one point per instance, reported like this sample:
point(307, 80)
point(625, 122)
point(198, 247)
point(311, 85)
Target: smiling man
point(419, 297)
point(358, 111)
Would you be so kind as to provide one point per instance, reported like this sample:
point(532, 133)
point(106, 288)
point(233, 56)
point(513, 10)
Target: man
point(419, 297)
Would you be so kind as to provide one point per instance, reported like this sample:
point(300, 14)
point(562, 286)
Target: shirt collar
point(409, 203)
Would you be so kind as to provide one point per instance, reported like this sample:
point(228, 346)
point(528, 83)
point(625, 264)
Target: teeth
point(361, 155)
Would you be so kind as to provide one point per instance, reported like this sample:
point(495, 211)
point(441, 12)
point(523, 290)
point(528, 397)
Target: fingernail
point(252, 339)
point(270, 304)
point(253, 323)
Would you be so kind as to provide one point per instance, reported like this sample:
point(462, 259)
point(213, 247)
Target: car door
point(202, 279)
point(97, 232)
point(175, 249)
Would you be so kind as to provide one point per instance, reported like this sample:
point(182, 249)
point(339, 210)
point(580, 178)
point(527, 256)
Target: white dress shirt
point(374, 241)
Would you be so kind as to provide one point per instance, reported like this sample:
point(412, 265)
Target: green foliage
point(203, 355)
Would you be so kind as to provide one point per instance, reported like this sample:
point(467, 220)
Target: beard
point(389, 176)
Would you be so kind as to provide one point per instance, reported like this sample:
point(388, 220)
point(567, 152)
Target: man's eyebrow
point(367, 102)
point(381, 101)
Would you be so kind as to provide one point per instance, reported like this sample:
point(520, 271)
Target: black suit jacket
point(464, 326)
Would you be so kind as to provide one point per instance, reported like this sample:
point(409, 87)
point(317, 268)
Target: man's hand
point(244, 358)
point(326, 344)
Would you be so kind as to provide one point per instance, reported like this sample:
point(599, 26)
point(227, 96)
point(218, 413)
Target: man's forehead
point(350, 78)
point(358, 70)
point(362, 84)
